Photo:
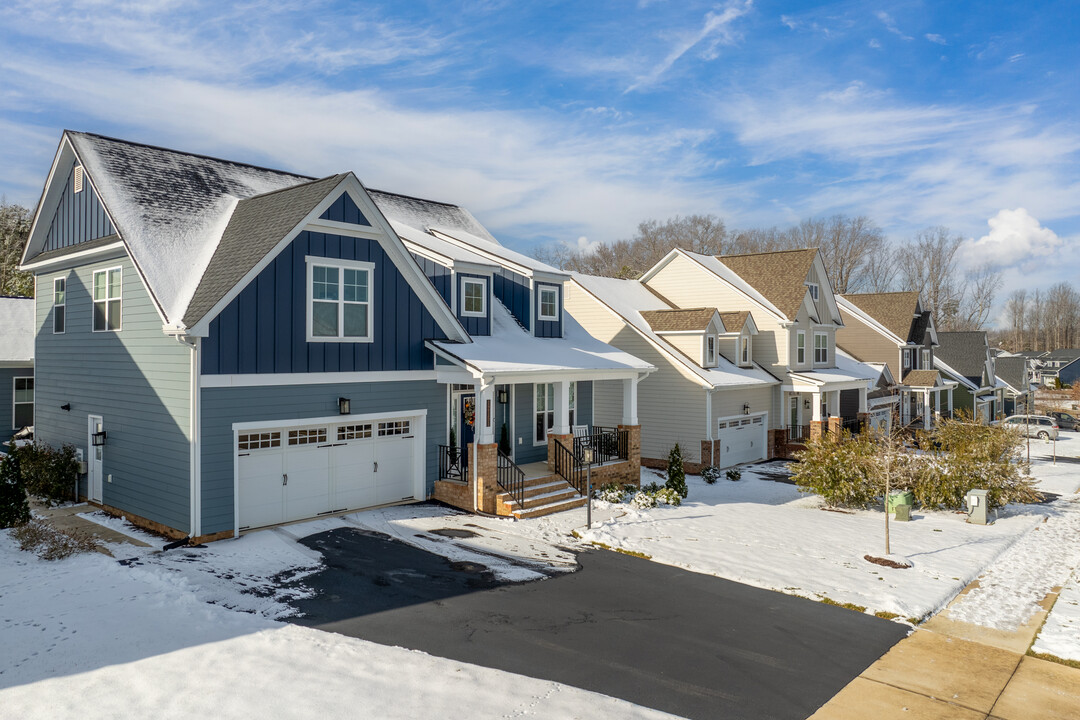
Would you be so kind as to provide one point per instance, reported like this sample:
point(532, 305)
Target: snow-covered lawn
point(1060, 635)
point(165, 635)
point(768, 534)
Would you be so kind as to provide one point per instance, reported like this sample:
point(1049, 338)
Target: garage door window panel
point(307, 437)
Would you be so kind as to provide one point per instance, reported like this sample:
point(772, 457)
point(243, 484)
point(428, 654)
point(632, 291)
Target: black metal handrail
point(511, 479)
point(602, 445)
point(451, 463)
point(852, 425)
point(569, 467)
point(798, 433)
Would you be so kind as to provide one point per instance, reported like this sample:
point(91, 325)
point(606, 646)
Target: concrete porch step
point(551, 508)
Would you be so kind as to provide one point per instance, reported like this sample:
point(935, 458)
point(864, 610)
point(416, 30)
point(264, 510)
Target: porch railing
point(569, 466)
point(852, 425)
point(451, 463)
point(601, 445)
point(798, 433)
point(511, 479)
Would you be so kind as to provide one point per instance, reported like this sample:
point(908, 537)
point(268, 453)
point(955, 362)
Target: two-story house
point(708, 393)
point(1013, 372)
point(16, 365)
point(894, 329)
point(241, 347)
point(964, 357)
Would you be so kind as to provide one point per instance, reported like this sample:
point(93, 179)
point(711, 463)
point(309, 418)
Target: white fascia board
point(663, 333)
point(834, 309)
point(848, 307)
point(463, 266)
point(499, 261)
point(550, 278)
point(79, 257)
point(50, 196)
point(316, 378)
point(426, 252)
point(660, 265)
point(941, 366)
point(328, 419)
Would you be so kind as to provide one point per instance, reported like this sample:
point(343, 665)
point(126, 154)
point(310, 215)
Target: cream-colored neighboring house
point(788, 335)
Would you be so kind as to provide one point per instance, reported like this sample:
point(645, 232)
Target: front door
point(467, 423)
point(794, 411)
point(94, 424)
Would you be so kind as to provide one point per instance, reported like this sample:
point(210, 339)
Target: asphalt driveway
point(682, 642)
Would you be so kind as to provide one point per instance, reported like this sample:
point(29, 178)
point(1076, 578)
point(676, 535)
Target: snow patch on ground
point(1060, 635)
point(123, 527)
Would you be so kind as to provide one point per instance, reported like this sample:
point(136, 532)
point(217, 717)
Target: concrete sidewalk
point(952, 669)
point(70, 517)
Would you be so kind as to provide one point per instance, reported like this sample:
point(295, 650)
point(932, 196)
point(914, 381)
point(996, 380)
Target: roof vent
point(78, 178)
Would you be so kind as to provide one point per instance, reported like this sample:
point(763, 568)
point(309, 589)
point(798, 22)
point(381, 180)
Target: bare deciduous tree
point(14, 232)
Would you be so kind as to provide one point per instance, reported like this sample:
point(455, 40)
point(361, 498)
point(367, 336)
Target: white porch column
point(815, 406)
point(562, 408)
point(832, 401)
point(926, 408)
point(629, 401)
point(950, 401)
point(485, 409)
point(937, 402)
point(862, 400)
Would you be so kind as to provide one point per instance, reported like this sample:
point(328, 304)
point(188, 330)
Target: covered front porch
point(925, 399)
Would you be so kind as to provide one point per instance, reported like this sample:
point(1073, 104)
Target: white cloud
point(1015, 239)
point(935, 38)
point(1016, 58)
point(874, 43)
point(891, 26)
point(790, 22)
point(716, 30)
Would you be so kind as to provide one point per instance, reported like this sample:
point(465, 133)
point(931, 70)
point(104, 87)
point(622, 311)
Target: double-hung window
point(544, 409)
point(821, 348)
point(926, 360)
point(23, 405)
point(549, 303)
point(339, 300)
point(710, 351)
point(813, 287)
point(744, 350)
point(474, 297)
point(907, 359)
point(800, 347)
point(107, 299)
point(59, 304)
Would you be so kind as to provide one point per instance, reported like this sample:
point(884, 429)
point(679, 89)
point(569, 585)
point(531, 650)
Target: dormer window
point(710, 351)
point(744, 350)
point(907, 360)
point(813, 288)
point(926, 360)
point(474, 298)
point(549, 303)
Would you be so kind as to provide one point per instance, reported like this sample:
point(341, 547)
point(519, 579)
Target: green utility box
point(899, 497)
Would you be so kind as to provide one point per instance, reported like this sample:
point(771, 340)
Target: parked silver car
point(1038, 426)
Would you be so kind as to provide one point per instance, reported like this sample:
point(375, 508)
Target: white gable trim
point(389, 241)
point(79, 257)
point(825, 284)
point(666, 260)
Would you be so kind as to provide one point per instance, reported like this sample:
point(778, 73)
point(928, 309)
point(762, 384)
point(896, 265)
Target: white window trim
point(826, 348)
point(93, 302)
point(710, 353)
point(800, 347)
point(815, 292)
point(924, 359)
point(749, 359)
point(905, 358)
point(312, 261)
point(535, 412)
point(56, 280)
point(15, 381)
point(540, 303)
point(482, 282)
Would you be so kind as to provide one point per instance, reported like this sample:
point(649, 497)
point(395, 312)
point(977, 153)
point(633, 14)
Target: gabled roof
point(17, 329)
point(779, 276)
point(255, 228)
point(896, 311)
point(425, 214)
point(1066, 355)
point(629, 299)
point(964, 352)
point(922, 378)
point(734, 321)
point(679, 320)
point(1013, 371)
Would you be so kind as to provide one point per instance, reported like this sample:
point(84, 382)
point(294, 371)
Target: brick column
point(835, 424)
point(633, 452)
point(567, 440)
point(817, 429)
point(778, 446)
point(485, 459)
point(707, 458)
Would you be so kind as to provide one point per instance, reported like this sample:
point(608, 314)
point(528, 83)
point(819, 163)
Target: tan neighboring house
point(894, 329)
point(790, 298)
point(708, 393)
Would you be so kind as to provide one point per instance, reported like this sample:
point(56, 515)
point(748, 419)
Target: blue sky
point(573, 121)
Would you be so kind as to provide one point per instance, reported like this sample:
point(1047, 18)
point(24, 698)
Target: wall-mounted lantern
point(746, 409)
point(504, 396)
point(806, 404)
point(98, 438)
point(344, 406)
point(66, 406)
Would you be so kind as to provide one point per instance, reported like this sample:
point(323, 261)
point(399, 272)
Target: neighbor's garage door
point(301, 472)
point(742, 439)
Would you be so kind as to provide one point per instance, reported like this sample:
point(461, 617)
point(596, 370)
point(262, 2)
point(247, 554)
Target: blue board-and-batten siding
point(264, 329)
point(547, 328)
point(221, 407)
point(344, 210)
point(512, 290)
point(79, 217)
point(474, 324)
point(525, 451)
point(439, 275)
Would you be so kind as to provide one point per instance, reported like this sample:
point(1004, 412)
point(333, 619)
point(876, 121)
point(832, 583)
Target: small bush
point(668, 496)
point(14, 504)
point(710, 474)
point(652, 487)
point(643, 500)
point(50, 543)
point(49, 473)
point(610, 492)
point(839, 471)
point(734, 474)
point(675, 473)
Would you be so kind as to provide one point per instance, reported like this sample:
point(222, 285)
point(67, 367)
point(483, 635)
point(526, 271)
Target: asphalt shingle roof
point(1013, 371)
point(682, 320)
point(734, 321)
point(921, 378)
point(779, 276)
point(896, 311)
point(964, 352)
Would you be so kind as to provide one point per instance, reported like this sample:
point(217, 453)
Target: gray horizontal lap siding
point(79, 217)
point(7, 398)
point(137, 379)
point(512, 290)
point(221, 407)
point(525, 420)
point(547, 328)
point(474, 324)
point(264, 329)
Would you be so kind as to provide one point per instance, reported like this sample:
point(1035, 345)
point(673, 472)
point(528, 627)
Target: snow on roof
point(423, 214)
point(847, 369)
point(500, 251)
point(715, 266)
point(628, 298)
point(171, 207)
point(17, 329)
point(511, 349)
point(453, 251)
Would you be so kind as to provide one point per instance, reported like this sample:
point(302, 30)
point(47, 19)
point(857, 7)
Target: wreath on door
point(469, 411)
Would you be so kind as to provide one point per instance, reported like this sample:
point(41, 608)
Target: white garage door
point(742, 439)
point(301, 472)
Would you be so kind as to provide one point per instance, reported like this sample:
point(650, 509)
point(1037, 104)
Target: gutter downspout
point(708, 424)
point(194, 422)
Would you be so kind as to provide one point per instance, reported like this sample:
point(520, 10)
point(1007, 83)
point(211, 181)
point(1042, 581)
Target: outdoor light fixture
point(66, 406)
point(343, 406)
point(504, 397)
point(746, 409)
point(806, 404)
point(98, 439)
